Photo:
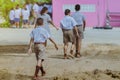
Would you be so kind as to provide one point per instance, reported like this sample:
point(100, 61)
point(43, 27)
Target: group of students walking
point(72, 27)
point(28, 14)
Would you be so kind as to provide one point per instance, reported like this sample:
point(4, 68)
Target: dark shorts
point(25, 21)
point(68, 36)
point(12, 21)
point(17, 19)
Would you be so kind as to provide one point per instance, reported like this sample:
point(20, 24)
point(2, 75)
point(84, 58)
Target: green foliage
point(5, 24)
point(6, 5)
point(48, 1)
point(5, 9)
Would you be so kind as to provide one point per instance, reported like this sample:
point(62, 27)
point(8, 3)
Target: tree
point(48, 1)
point(5, 7)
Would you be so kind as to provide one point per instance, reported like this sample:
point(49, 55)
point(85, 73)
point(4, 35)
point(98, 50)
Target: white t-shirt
point(18, 13)
point(36, 8)
point(49, 7)
point(12, 15)
point(40, 8)
point(29, 6)
point(25, 14)
point(46, 18)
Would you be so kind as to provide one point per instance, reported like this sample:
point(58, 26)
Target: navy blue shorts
point(25, 21)
point(17, 19)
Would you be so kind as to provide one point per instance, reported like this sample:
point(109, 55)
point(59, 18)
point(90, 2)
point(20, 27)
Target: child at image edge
point(38, 36)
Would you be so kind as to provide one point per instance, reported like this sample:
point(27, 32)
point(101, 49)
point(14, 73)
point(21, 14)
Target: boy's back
point(79, 17)
point(40, 34)
point(67, 22)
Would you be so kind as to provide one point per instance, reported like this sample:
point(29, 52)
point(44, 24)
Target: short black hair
point(67, 11)
point(77, 7)
point(43, 10)
point(39, 21)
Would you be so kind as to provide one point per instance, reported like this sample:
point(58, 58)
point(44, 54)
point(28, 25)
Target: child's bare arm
point(54, 43)
point(84, 24)
point(30, 46)
point(76, 30)
point(51, 22)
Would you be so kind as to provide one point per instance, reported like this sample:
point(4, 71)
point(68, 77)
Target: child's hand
point(56, 47)
point(29, 51)
point(57, 28)
point(78, 35)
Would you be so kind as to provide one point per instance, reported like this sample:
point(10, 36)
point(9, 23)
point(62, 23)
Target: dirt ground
point(13, 49)
point(98, 62)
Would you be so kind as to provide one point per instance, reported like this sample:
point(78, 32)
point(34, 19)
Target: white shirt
point(40, 8)
point(12, 15)
point(79, 18)
point(29, 6)
point(49, 7)
point(25, 14)
point(36, 8)
point(46, 18)
point(17, 13)
point(40, 34)
point(68, 23)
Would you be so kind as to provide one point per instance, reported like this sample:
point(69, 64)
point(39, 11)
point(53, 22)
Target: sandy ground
point(100, 57)
point(98, 62)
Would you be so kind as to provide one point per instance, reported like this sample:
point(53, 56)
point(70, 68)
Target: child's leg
point(37, 69)
point(72, 48)
point(65, 50)
point(17, 24)
point(26, 24)
point(41, 68)
point(13, 25)
point(77, 43)
point(46, 43)
point(78, 47)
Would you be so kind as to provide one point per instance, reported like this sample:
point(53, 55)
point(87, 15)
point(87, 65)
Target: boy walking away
point(38, 36)
point(67, 25)
point(81, 23)
point(25, 17)
point(11, 17)
point(17, 16)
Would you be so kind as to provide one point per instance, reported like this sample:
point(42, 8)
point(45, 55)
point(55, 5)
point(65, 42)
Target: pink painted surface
point(91, 17)
point(114, 6)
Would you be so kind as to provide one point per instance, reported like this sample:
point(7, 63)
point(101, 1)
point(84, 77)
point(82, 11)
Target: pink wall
point(114, 6)
point(91, 17)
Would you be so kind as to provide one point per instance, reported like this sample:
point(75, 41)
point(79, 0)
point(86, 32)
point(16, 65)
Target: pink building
point(94, 10)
